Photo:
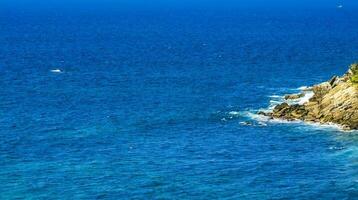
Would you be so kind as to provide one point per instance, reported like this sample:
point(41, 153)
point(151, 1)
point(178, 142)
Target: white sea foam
point(262, 124)
point(256, 117)
point(262, 120)
point(326, 126)
point(336, 148)
point(56, 71)
point(234, 113)
point(303, 88)
point(275, 96)
point(276, 100)
point(307, 96)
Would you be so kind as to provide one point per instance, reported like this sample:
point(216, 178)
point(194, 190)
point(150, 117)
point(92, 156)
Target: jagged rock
point(334, 101)
point(294, 96)
point(335, 80)
point(289, 112)
point(263, 113)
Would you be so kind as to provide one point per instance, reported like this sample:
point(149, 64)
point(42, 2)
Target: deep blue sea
point(150, 103)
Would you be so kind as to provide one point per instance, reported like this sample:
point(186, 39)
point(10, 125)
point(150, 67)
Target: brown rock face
point(293, 96)
point(289, 112)
point(334, 101)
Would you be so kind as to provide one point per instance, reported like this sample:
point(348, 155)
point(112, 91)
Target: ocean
point(160, 103)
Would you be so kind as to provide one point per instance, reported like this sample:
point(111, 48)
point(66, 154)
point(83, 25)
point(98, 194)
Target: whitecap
point(56, 71)
point(284, 121)
point(307, 96)
point(263, 120)
point(275, 96)
point(234, 113)
point(304, 88)
point(257, 117)
point(262, 124)
point(245, 123)
point(327, 126)
point(274, 101)
point(336, 148)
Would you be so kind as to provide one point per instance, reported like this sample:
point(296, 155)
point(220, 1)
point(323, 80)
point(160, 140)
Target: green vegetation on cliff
point(354, 70)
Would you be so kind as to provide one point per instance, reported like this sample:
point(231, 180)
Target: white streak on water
point(56, 71)
point(234, 113)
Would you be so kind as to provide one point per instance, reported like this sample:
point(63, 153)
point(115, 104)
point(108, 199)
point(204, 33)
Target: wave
point(56, 71)
point(252, 115)
point(234, 113)
point(275, 96)
point(307, 96)
point(279, 99)
point(303, 88)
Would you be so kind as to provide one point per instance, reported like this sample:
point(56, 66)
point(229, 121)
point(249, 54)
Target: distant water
point(153, 104)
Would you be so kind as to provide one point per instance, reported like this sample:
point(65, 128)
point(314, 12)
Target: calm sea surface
point(148, 104)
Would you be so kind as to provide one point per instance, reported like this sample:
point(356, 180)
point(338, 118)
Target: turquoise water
point(148, 103)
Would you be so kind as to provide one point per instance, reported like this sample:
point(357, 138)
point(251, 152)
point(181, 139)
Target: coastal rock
point(293, 96)
point(289, 112)
point(334, 101)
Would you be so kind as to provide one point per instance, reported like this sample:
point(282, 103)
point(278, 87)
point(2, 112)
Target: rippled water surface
point(150, 104)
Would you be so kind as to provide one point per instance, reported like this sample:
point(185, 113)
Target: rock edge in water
point(334, 101)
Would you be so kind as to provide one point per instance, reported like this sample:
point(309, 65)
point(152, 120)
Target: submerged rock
point(246, 123)
point(334, 101)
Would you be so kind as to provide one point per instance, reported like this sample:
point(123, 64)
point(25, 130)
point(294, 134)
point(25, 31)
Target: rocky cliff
point(334, 101)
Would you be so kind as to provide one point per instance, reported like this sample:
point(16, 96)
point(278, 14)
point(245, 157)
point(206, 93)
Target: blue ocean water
point(149, 103)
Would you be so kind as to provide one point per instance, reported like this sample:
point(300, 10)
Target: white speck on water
point(56, 71)
point(234, 113)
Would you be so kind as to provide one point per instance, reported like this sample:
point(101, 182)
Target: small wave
point(274, 101)
point(307, 96)
point(315, 125)
point(56, 71)
point(284, 121)
point(336, 148)
point(252, 118)
point(262, 120)
point(303, 88)
point(234, 113)
point(228, 115)
point(255, 116)
point(304, 99)
point(245, 123)
point(275, 96)
point(326, 126)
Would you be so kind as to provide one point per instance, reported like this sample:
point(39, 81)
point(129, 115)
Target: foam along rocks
point(334, 101)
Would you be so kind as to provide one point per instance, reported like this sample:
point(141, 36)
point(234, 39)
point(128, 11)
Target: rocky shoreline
point(334, 101)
